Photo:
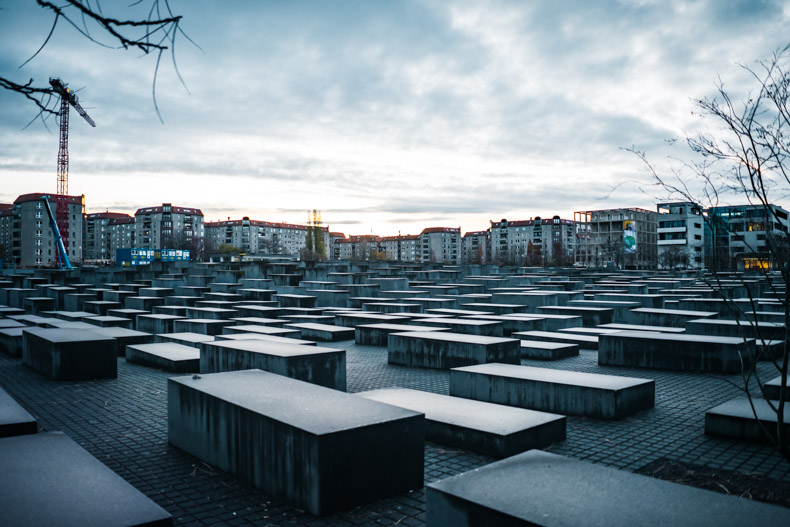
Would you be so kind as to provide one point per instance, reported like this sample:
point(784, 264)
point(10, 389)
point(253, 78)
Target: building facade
point(26, 235)
point(626, 238)
point(681, 235)
point(98, 242)
point(746, 237)
point(533, 242)
point(168, 227)
point(402, 248)
point(440, 245)
point(475, 247)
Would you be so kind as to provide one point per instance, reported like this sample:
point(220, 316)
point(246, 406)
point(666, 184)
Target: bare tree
point(746, 158)
point(154, 34)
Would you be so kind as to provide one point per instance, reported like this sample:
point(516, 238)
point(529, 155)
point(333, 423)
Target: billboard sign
point(629, 236)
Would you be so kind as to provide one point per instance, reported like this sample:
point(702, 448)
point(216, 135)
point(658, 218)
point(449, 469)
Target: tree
point(673, 257)
point(153, 34)
point(745, 156)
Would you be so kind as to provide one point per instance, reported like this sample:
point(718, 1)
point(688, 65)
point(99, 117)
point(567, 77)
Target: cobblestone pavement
point(123, 422)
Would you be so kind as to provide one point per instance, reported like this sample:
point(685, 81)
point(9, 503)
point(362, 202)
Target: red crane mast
point(67, 99)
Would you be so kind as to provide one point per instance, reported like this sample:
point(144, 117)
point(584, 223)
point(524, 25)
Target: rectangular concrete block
point(15, 420)
point(319, 449)
point(741, 419)
point(313, 364)
point(48, 479)
point(168, 356)
point(542, 489)
point(538, 350)
point(69, 354)
point(449, 350)
point(556, 391)
point(673, 351)
point(490, 429)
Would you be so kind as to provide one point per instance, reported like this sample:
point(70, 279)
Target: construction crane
point(67, 99)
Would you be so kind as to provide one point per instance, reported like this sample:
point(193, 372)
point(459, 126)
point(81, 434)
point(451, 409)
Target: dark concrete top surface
point(551, 490)
point(681, 312)
point(264, 330)
point(11, 411)
point(268, 338)
point(268, 347)
point(48, 479)
point(674, 337)
point(187, 336)
point(168, 350)
point(637, 327)
point(454, 337)
point(460, 321)
point(557, 335)
point(540, 344)
point(162, 316)
point(60, 335)
point(309, 407)
point(116, 332)
point(548, 375)
point(402, 328)
point(740, 407)
point(468, 413)
point(10, 323)
point(318, 327)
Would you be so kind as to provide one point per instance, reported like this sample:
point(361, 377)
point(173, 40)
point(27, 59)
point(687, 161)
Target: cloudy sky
point(386, 115)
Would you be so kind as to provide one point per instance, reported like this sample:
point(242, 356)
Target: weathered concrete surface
point(542, 489)
point(449, 350)
point(69, 354)
point(323, 332)
point(736, 418)
point(313, 364)
point(156, 323)
point(539, 350)
point(377, 334)
point(556, 391)
point(124, 337)
point(48, 479)
point(319, 449)
point(168, 356)
point(11, 340)
point(15, 420)
point(490, 429)
point(672, 351)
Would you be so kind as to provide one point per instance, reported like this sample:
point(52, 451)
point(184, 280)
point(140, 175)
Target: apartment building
point(98, 236)
point(261, 237)
point(168, 227)
point(532, 242)
point(402, 248)
point(745, 237)
point(26, 235)
point(440, 245)
point(625, 238)
point(681, 234)
point(475, 247)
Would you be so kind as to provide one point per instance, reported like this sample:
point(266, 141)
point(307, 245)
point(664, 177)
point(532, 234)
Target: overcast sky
point(386, 115)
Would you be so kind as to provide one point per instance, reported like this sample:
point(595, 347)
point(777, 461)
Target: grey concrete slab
point(324, 450)
point(260, 321)
point(636, 327)
point(666, 317)
point(676, 351)
point(263, 330)
point(100, 307)
point(354, 319)
point(589, 342)
point(124, 337)
point(7, 323)
point(550, 322)
point(48, 479)
point(168, 356)
point(69, 354)
point(737, 328)
point(377, 334)
point(740, 418)
point(186, 338)
point(156, 323)
point(491, 429)
point(313, 364)
point(268, 338)
point(32, 320)
point(591, 316)
point(109, 322)
point(11, 341)
point(542, 489)
point(431, 349)
point(556, 391)
point(212, 313)
point(14, 419)
point(539, 350)
point(467, 326)
point(322, 332)
point(198, 325)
